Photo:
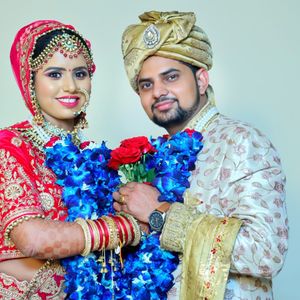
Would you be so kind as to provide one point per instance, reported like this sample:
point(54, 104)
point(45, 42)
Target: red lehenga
point(27, 190)
point(27, 186)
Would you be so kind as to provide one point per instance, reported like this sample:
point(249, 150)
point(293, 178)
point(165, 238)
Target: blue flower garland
point(88, 186)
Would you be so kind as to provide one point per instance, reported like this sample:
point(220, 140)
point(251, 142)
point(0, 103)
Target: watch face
point(156, 221)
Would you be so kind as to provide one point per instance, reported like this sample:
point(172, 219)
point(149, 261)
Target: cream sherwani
point(238, 175)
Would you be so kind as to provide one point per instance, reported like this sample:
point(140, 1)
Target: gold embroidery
point(11, 288)
point(7, 174)
point(13, 191)
point(178, 219)
point(43, 281)
point(206, 242)
point(16, 141)
point(47, 201)
point(21, 184)
point(207, 257)
point(2, 153)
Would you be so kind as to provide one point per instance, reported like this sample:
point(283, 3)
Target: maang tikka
point(67, 44)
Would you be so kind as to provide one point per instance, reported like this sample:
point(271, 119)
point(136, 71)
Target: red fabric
point(24, 183)
point(49, 285)
point(22, 49)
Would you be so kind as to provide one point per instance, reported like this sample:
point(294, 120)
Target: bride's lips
point(68, 101)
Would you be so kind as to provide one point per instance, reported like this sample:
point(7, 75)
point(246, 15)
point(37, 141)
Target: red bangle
point(120, 229)
point(101, 234)
point(131, 228)
point(123, 229)
point(106, 232)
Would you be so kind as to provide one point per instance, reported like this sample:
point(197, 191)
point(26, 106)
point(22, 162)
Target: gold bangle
point(113, 233)
point(87, 236)
point(96, 235)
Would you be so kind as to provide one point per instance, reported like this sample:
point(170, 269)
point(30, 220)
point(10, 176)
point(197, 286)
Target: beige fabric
point(176, 37)
point(238, 175)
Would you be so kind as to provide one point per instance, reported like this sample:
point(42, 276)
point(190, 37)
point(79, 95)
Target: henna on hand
point(48, 239)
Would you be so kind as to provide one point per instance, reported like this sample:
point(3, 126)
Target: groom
point(232, 226)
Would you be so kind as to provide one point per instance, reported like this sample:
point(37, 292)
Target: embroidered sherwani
point(238, 176)
point(27, 190)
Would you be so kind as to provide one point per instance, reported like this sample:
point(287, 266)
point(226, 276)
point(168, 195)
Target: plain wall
point(255, 76)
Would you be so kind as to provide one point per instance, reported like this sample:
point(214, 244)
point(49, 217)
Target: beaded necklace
point(40, 135)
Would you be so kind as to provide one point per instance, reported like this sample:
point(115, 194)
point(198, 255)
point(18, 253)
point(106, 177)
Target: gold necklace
point(39, 136)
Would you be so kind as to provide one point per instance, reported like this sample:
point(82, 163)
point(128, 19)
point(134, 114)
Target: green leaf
point(150, 175)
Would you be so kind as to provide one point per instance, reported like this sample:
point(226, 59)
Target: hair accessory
point(68, 45)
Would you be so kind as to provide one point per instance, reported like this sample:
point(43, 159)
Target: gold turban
point(167, 34)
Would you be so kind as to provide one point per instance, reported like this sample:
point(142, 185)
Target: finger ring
point(122, 199)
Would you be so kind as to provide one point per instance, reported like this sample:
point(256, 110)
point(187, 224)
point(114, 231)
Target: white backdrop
point(255, 76)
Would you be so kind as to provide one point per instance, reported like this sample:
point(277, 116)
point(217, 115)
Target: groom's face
point(168, 91)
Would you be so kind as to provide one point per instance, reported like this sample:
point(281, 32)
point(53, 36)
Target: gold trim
point(178, 218)
point(43, 280)
point(15, 223)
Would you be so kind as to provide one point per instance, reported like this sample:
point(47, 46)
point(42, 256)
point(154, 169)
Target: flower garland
point(88, 186)
point(149, 268)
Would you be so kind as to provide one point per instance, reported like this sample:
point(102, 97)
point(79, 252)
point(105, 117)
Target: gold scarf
point(207, 256)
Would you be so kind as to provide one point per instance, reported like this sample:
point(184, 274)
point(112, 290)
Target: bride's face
point(57, 86)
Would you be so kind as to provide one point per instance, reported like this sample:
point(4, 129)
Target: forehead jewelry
point(69, 45)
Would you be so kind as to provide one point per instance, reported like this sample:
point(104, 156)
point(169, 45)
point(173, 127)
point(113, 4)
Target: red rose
point(123, 155)
point(140, 142)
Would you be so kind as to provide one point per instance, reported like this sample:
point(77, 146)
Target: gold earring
point(38, 118)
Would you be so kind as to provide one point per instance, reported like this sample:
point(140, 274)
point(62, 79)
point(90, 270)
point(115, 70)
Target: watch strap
point(164, 207)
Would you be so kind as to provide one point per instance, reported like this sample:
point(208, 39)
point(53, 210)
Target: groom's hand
point(137, 199)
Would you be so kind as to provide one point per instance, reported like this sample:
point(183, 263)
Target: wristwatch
point(157, 217)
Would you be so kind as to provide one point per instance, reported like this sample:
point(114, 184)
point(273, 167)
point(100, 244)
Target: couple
point(232, 227)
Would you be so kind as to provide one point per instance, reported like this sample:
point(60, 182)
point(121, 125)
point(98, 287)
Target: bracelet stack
point(109, 232)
